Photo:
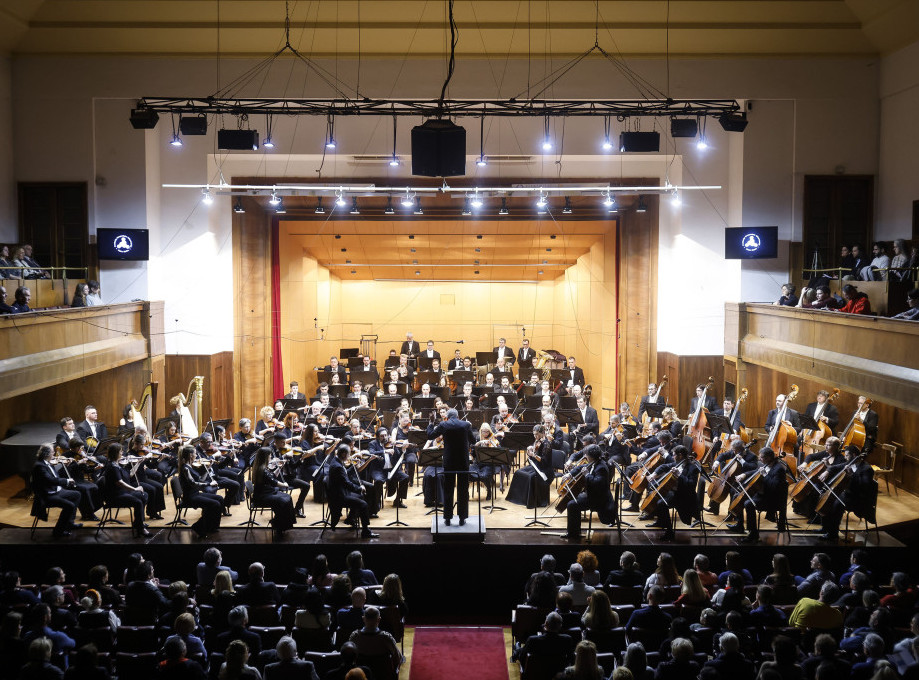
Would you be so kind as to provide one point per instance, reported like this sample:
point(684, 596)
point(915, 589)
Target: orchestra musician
point(295, 392)
point(525, 356)
point(249, 440)
point(381, 471)
point(91, 427)
point(504, 352)
point(596, 495)
point(430, 352)
point(410, 347)
point(266, 424)
point(68, 432)
point(625, 414)
point(401, 441)
point(489, 385)
point(771, 494)
point(859, 496)
point(335, 368)
point(441, 379)
point(591, 422)
point(53, 490)
point(650, 398)
point(267, 491)
point(199, 492)
point(575, 374)
point(672, 422)
point(229, 478)
point(120, 493)
point(829, 413)
point(353, 439)
point(665, 448)
point(322, 390)
point(335, 379)
point(404, 370)
point(710, 403)
point(425, 392)
point(869, 418)
point(505, 386)
point(357, 390)
point(611, 442)
point(790, 415)
point(457, 438)
point(681, 496)
point(344, 492)
point(727, 411)
point(488, 439)
point(290, 472)
point(832, 457)
point(82, 471)
point(545, 390)
point(151, 480)
point(530, 483)
point(168, 441)
point(456, 363)
point(748, 463)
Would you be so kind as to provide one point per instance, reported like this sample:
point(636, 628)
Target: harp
point(142, 411)
point(190, 408)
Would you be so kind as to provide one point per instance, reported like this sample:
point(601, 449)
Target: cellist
point(770, 494)
point(679, 494)
point(831, 457)
point(870, 420)
point(860, 496)
point(748, 462)
point(667, 443)
point(596, 495)
point(791, 416)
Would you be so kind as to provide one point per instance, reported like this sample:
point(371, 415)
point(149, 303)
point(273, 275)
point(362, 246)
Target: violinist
point(831, 457)
point(292, 428)
point(596, 495)
point(770, 494)
point(344, 492)
point(290, 469)
point(488, 439)
point(249, 440)
point(168, 441)
point(748, 462)
point(530, 483)
point(267, 490)
point(54, 490)
point(227, 478)
point(199, 492)
point(356, 467)
point(381, 471)
point(315, 414)
point(81, 470)
point(122, 491)
point(314, 446)
point(339, 418)
point(625, 414)
point(266, 425)
point(401, 442)
point(870, 420)
point(859, 496)
point(554, 432)
point(612, 442)
point(679, 493)
point(151, 480)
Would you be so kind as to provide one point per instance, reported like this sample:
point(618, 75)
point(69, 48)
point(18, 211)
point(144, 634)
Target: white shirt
point(51, 467)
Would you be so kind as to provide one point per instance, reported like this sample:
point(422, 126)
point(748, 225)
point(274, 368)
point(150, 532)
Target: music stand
point(495, 456)
point(567, 416)
point(339, 391)
point(432, 457)
point(527, 390)
point(531, 416)
point(485, 358)
point(510, 398)
point(401, 388)
point(424, 362)
point(807, 422)
point(567, 403)
point(163, 423)
point(524, 373)
point(388, 404)
point(364, 415)
point(461, 377)
point(323, 376)
point(422, 404)
point(656, 409)
point(622, 481)
point(474, 418)
point(560, 375)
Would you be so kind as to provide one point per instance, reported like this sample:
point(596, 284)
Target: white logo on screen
point(751, 243)
point(123, 244)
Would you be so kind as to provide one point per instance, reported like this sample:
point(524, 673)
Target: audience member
point(818, 614)
point(356, 572)
point(810, 585)
point(729, 662)
point(176, 665)
point(580, 592)
point(856, 302)
point(734, 563)
point(85, 665)
point(591, 565)
point(373, 642)
point(39, 666)
point(628, 575)
point(288, 666)
point(651, 615)
point(236, 667)
point(212, 563)
point(238, 619)
point(258, 591)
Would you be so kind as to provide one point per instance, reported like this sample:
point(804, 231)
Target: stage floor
point(502, 526)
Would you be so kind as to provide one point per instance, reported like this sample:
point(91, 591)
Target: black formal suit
point(682, 497)
point(85, 431)
point(197, 493)
point(614, 449)
point(790, 415)
point(510, 356)
point(770, 496)
point(575, 375)
point(591, 422)
point(251, 638)
point(871, 430)
point(548, 645)
point(144, 595)
point(643, 405)
point(650, 616)
point(259, 593)
point(294, 669)
point(424, 354)
point(62, 440)
point(733, 416)
point(596, 496)
point(709, 405)
point(300, 396)
point(456, 365)
point(380, 470)
point(344, 492)
point(525, 356)
point(410, 348)
point(118, 496)
point(342, 372)
point(830, 411)
point(860, 496)
point(51, 491)
point(457, 438)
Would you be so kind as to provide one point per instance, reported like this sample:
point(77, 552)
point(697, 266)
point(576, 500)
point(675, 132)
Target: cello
point(854, 434)
point(720, 487)
point(837, 485)
point(782, 438)
point(812, 438)
point(698, 424)
point(657, 489)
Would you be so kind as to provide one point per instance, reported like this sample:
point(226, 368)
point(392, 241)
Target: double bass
point(854, 434)
point(812, 438)
point(645, 418)
point(735, 415)
point(698, 424)
point(783, 438)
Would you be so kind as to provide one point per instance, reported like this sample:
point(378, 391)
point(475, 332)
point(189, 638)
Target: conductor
point(457, 438)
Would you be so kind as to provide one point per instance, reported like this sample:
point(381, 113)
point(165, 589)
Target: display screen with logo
point(123, 244)
point(751, 243)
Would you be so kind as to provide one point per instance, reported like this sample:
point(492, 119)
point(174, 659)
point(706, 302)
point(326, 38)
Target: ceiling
point(496, 28)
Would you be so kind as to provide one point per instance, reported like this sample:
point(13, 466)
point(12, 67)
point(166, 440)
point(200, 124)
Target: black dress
point(197, 493)
point(267, 492)
point(527, 486)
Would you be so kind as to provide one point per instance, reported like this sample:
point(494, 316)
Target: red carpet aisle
point(458, 654)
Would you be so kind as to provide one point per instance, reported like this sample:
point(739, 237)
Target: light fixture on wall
point(476, 201)
point(567, 209)
point(280, 209)
point(467, 211)
point(481, 160)
point(354, 209)
point(610, 202)
point(389, 210)
point(319, 209)
point(340, 199)
point(675, 199)
point(206, 197)
point(503, 211)
point(275, 199)
point(642, 207)
point(408, 200)
point(269, 137)
point(330, 133)
point(542, 201)
point(238, 206)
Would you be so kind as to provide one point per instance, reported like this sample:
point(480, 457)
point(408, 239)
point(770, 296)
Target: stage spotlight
point(340, 200)
point(408, 200)
point(607, 143)
point(542, 201)
point(675, 200)
point(176, 140)
point(476, 201)
point(330, 136)
point(275, 199)
point(206, 197)
point(546, 139)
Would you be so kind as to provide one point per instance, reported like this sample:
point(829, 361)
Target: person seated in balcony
point(856, 301)
point(818, 298)
point(79, 295)
point(911, 314)
point(21, 305)
point(788, 299)
point(899, 261)
point(6, 264)
point(94, 298)
point(36, 269)
point(877, 270)
point(4, 308)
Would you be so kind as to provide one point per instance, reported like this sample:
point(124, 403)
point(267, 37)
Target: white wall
point(8, 225)
point(898, 184)
point(70, 123)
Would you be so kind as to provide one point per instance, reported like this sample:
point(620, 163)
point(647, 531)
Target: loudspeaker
point(733, 122)
point(144, 119)
point(684, 127)
point(193, 125)
point(237, 140)
point(641, 142)
point(438, 149)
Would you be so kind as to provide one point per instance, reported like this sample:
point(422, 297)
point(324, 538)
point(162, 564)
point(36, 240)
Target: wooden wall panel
point(684, 373)
point(218, 381)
